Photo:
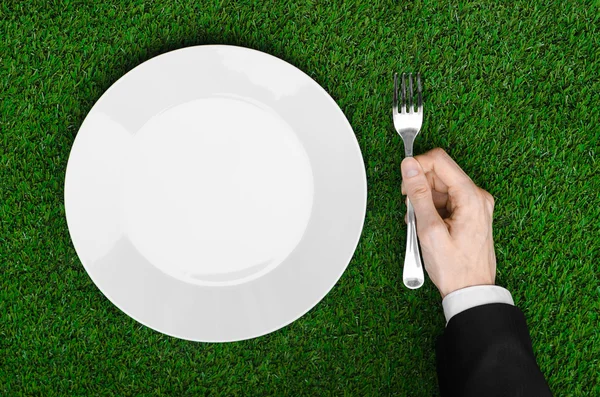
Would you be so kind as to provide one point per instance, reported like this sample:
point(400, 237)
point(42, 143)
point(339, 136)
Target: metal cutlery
point(408, 118)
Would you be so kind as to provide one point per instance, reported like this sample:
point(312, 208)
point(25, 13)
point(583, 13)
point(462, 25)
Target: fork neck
point(408, 138)
point(408, 147)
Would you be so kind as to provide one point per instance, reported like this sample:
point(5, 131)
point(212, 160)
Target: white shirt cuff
point(466, 298)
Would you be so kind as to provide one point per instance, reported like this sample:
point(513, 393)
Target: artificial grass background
point(511, 92)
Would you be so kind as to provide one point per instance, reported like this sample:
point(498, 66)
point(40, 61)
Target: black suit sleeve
point(486, 351)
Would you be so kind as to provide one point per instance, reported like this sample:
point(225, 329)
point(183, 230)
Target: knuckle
point(467, 185)
point(434, 154)
point(488, 198)
point(438, 152)
point(490, 206)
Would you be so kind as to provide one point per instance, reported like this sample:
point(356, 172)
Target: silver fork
point(408, 123)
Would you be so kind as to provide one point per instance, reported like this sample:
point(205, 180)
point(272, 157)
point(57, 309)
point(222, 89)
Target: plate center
point(217, 191)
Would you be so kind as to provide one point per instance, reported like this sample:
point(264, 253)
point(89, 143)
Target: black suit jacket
point(486, 351)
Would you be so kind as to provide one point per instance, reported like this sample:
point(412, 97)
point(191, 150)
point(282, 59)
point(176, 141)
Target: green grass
point(512, 93)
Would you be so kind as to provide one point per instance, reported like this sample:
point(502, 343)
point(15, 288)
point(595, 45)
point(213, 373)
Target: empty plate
point(215, 193)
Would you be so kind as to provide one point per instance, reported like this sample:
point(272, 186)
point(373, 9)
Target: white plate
point(215, 193)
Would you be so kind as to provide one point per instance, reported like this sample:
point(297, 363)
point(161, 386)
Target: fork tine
point(411, 101)
point(395, 105)
point(420, 90)
point(403, 105)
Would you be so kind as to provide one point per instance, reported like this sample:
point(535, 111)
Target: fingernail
point(410, 167)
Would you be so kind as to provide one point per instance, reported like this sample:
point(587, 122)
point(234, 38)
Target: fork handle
point(412, 275)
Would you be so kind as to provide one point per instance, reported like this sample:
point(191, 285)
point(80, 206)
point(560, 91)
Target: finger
point(446, 176)
point(444, 213)
point(440, 200)
point(419, 193)
point(434, 181)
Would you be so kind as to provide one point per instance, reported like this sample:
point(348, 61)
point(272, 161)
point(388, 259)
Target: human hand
point(454, 222)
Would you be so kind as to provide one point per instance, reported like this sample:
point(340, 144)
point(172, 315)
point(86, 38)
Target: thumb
point(419, 192)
